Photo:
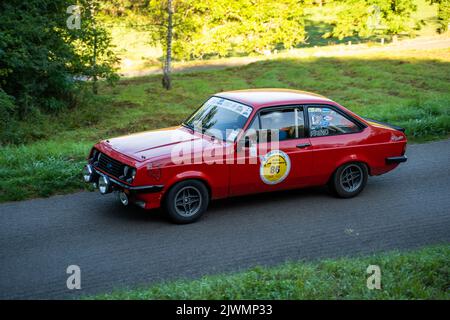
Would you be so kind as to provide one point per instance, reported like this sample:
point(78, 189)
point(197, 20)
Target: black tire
point(344, 187)
point(189, 210)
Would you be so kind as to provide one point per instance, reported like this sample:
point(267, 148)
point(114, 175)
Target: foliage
point(92, 44)
point(367, 18)
point(33, 54)
point(6, 108)
point(39, 57)
point(119, 8)
point(218, 27)
point(419, 274)
point(443, 13)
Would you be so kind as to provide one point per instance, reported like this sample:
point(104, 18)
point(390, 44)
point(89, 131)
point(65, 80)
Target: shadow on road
point(217, 208)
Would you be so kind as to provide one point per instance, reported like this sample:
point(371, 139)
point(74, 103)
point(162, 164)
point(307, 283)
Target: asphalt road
point(118, 247)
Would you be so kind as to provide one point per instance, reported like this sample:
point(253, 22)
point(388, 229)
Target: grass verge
point(419, 274)
point(408, 88)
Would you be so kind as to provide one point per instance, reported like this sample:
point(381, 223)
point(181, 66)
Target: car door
point(334, 136)
point(278, 155)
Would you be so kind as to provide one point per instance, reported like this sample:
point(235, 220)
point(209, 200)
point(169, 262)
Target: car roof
point(259, 98)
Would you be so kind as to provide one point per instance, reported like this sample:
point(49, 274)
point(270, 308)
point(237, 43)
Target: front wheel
point(349, 179)
point(186, 201)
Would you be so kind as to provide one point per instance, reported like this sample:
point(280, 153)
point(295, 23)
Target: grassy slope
point(420, 274)
point(409, 88)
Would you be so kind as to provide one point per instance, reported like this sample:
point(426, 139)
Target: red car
point(244, 142)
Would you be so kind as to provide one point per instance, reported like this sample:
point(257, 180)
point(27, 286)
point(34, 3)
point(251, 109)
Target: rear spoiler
point(386, 124)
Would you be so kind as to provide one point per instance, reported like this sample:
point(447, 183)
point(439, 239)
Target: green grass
point(41, 169)
point(408, 88)
point(420, 274)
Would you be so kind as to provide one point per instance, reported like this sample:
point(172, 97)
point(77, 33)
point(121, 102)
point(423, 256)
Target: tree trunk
point(94, 65)
point(94, 56)
point(166, 82)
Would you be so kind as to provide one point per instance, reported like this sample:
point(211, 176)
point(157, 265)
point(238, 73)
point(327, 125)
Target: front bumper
point(140, 189)
point(94, 175)
point(396, 160)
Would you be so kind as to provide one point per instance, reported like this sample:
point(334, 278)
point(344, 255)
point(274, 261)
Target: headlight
point(104, 185)
point(129, 174)
point(88, 173)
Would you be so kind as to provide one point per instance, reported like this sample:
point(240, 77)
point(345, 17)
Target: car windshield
point(220, 118)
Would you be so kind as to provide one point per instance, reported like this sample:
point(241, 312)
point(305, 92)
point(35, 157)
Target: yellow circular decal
point(275, 167)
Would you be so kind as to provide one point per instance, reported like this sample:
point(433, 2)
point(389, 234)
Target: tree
point(92, 43)
point(366, 18)
point(173, 24)
point(443, 14)
point(167, 63)
point(197, 29)
point(34, 54)
point(41, 58)
point(118, 8)
point(247, 27)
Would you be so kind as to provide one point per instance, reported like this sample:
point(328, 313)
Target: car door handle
point(303, 145)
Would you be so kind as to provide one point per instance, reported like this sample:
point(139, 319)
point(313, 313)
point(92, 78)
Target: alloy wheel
point(351, 178)
point(188, 201)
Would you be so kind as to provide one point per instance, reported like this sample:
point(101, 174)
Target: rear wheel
point(349, 179)
point(186, 201)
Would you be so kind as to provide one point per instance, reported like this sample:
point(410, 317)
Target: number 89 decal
point(275, 167)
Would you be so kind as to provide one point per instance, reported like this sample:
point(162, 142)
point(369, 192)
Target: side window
point(325, 121)
point(289, 122)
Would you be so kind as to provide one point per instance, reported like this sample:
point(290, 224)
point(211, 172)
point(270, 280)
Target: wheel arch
point(192, 175)
point(351, 159)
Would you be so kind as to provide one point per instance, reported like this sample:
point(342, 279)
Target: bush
point(39, 57)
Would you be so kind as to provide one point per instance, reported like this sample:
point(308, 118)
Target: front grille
point(110, 165)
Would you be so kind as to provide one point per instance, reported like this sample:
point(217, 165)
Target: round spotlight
point(104, 185)
point(123, 198)
point(88, 173)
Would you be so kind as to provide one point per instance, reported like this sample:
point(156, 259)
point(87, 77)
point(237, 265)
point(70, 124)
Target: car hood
point(157, 143)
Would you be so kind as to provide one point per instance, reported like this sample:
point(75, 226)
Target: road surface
point(118, 247)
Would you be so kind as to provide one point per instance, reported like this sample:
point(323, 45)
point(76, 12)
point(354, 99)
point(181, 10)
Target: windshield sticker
point(241, 109)
point(233, 134)
point(275, 167)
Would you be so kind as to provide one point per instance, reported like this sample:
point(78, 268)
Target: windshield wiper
point(189, 126)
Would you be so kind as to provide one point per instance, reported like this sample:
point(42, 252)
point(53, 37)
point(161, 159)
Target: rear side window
point(289, 122)
point(325, 121)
